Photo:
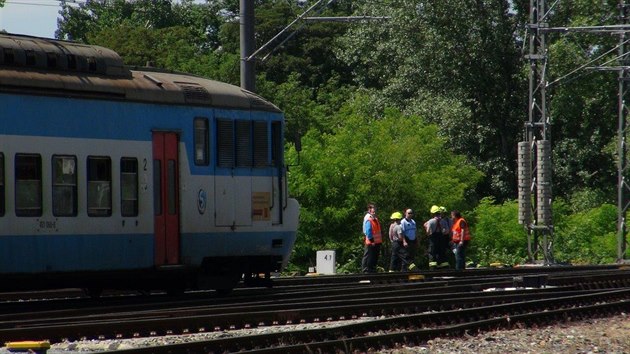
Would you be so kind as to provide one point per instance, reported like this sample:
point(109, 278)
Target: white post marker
point(326, 262)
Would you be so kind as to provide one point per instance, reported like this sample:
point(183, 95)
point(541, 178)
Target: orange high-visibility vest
point(376, 231)
point(457, 231)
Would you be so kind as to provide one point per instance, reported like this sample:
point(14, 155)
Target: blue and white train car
point(112, 177)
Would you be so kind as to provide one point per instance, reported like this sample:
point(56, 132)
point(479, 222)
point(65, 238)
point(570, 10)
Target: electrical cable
point(590, 62)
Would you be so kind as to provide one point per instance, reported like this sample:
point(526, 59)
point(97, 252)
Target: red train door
point(166, 197)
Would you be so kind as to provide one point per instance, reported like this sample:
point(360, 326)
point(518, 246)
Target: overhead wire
point(33, 3)
point(44, 3)
point(591, 62)
point(549, 10)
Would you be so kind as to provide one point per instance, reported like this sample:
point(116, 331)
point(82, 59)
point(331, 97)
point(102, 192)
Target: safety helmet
point(442, 209)
point(396, 216)
point(435, 209)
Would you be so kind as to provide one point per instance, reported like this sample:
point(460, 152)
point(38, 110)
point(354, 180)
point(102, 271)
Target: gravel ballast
point(609, 335)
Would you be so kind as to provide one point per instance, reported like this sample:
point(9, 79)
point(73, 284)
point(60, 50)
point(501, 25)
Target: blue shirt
point(367, 227)
point(408, 228)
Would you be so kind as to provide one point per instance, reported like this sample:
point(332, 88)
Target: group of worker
point(444, 233)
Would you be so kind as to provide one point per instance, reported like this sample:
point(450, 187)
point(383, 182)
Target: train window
point(51, 59)
point(64, 185)
point(30, 57)
point(157, 187)
point(2, 184)
point(72, 61)
point(28, 185)
point(243, 143)
point(129, 186)
point(9, 56)
point(225, 143)
point(276, 143)
point(261, 145)
point(201, 141)
point(91, 63)
point(99, 180)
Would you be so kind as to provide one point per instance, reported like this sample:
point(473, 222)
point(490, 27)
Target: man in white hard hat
point(408, 227)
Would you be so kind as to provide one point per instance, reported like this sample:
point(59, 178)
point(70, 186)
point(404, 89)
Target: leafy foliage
point(497, 235)
point(461, 51)
point(583, 234)
point(397, 162)
point(587, 237)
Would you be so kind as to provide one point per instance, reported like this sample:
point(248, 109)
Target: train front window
point(28, 185)
point(2, 184)
point(243, 143)
point(276, 144)
point(201, 141)
point(99, 181)
point(261, 144)
point(64, 185)
point(129, 186)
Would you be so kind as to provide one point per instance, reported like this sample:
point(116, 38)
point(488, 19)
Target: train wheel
point(224, 292)
point(223, 285)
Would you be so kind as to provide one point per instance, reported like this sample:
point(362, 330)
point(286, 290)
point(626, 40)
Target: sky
point(30, 17)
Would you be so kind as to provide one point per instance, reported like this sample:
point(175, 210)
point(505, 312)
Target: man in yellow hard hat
point(398, 243)
point(434, 231)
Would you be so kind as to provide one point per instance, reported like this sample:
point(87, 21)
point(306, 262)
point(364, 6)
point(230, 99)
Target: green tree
point(452, 50)
point(308, 50)
point(583, 102)
point(92, 17)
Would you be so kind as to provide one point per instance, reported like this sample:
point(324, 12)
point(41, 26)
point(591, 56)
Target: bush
point(587, 237)
point(496, 234)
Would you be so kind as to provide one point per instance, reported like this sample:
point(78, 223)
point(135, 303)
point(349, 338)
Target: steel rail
point(364, 336)
point(153, 323)
point(395, 299)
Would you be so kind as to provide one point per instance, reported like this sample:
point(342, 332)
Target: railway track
point(432, 305)
point(408, 329)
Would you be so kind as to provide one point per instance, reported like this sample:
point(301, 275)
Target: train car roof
point(60, 68)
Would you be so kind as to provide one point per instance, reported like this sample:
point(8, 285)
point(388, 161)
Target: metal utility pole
point(534, 162)
point(622, 166)
point(533, 154)
point(248, 68)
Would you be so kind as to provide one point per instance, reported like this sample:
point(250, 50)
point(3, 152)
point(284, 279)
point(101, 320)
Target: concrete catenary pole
point(535, 177)
point(248, 65)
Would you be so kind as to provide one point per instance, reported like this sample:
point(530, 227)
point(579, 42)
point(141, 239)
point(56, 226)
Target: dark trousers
point(370, 257)
point(438, 246)
point(434, 247)
point(460, 255)
point(443, 249)
point(398, 256)
point(409, 254)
